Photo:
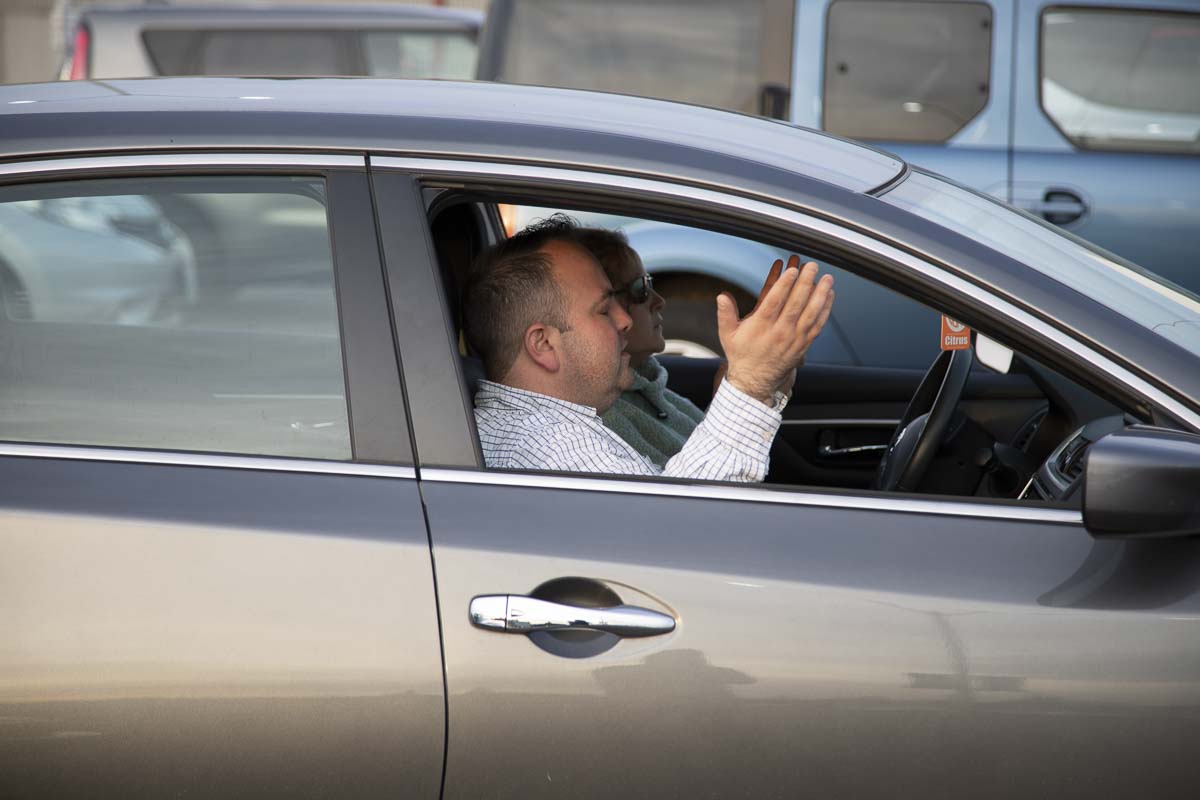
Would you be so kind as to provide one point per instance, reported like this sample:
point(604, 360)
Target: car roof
point(258, 16)
point(462, 119)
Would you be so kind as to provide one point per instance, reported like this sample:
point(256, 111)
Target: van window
point(733, 54)
point(176, 313)
point(248, 52)
point(1140, 91)
point(419, 54)
point(905, 71)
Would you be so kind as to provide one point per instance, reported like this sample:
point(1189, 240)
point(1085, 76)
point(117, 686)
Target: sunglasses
point(638, 289)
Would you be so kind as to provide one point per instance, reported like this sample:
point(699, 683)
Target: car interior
point(1001, 431)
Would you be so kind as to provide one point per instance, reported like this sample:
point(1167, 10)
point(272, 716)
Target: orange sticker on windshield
point(955, 335)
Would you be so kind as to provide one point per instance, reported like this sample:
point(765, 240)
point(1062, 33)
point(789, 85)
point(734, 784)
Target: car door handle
point(829, 451)
point(1058, 206)
point(513, 613)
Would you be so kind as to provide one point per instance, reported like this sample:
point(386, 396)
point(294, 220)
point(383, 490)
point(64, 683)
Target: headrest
point(473, 373)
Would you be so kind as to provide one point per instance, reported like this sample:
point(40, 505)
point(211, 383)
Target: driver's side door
point(825, 642)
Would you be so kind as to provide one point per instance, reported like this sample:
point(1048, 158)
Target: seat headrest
point(473, 373)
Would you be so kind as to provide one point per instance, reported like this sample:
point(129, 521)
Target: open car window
point(1005, 428)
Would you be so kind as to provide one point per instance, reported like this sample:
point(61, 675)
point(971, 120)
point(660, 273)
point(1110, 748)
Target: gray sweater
point(654, 420)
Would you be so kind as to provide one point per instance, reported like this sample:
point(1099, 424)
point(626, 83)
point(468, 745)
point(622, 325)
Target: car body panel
point(941, 649)
point(215, 631)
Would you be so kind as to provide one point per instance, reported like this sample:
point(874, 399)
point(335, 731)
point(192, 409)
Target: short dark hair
point(511, 287)
point(610, 248)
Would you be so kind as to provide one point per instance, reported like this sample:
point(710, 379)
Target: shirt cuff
point(740, 421)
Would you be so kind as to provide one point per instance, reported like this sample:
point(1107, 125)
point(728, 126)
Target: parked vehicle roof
point(439, 117)
point(335, 15)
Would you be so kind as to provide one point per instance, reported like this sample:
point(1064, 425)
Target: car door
point(1106, 120)
point(797, 641)
point(216, 577)
point(928, 81)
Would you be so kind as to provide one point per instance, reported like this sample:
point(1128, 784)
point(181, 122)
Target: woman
point(654, 420)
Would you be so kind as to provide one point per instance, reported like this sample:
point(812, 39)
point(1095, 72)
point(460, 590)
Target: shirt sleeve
point(731, 443)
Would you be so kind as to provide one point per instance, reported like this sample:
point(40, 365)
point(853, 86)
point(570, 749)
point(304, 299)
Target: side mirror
point(1142, 482)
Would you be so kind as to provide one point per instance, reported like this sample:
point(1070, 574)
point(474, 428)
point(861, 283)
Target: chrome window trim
point(180, 459)
point(753, 494)
point(716, 199)
point(213, 159)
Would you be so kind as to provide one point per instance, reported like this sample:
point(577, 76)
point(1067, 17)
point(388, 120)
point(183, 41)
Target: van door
point(927, 81)
point(1107, 127)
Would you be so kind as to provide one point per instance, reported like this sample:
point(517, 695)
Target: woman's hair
point(611, 248)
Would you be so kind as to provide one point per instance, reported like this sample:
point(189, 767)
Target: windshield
point(1134, 292)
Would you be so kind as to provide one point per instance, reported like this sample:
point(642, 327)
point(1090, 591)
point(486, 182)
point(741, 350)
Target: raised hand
point(767, 345)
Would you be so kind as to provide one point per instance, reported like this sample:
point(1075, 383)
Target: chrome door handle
point(512, 613)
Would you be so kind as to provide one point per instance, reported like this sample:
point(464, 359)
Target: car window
point(905, 71)
point(190, 314)
point(734, 55)
point(419, 54)
point(691, 265)
point(248, 52)
point(1140, 91)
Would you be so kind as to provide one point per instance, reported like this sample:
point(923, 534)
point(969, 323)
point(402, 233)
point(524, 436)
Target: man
point(543, 315)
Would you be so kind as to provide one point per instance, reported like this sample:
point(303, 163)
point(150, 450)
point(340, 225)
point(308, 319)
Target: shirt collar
point(498, 396)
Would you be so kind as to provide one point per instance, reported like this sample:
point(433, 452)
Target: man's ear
point(542, 345)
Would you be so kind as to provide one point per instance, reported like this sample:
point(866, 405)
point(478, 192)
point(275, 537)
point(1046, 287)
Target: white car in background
point(387, 41)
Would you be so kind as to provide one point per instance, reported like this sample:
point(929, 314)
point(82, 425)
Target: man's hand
point(766, 346)
point(789, 380)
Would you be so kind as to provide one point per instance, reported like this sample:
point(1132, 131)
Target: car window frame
point(451, 415)
point(1082, 145)
point(377, 414)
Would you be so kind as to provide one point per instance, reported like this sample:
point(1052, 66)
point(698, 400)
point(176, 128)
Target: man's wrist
point(764, 395)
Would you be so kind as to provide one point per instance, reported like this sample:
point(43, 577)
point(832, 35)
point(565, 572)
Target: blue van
point(1086, 114)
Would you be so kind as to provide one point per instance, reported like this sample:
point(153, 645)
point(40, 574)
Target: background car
point(253, 549)
point(391, 41)
point(1014, 99)
point(141, 268)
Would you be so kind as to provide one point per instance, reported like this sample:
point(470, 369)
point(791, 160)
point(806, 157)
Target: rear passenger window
point(905, 71)
point(1139, 90)
point(182, 314)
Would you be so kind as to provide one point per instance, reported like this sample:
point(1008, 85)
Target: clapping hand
point(765, 347)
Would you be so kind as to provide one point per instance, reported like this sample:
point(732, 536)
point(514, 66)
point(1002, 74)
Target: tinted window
point(734, 54)
point(171, 313)
point(905, 71)
point(249, 52)
point(1140, 91)
point(396, 54)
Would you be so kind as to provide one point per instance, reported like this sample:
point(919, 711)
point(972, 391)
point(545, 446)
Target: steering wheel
point(925, 422)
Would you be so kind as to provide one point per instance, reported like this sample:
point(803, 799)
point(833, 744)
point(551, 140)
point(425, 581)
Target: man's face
point(595, 367)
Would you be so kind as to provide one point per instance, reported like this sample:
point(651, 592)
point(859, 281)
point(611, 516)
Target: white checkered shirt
point(519, 429)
